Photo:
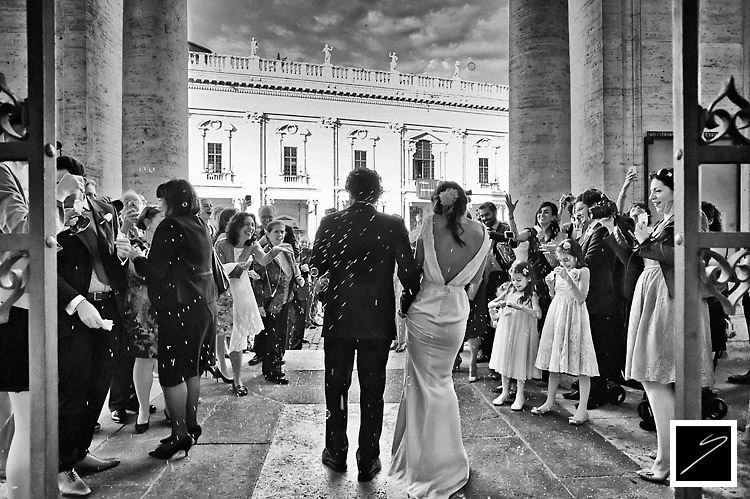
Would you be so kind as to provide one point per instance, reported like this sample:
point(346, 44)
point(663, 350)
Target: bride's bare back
point(451, 256)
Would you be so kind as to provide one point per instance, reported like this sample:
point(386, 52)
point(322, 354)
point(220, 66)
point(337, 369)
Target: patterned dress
point(140, 331)
point(566, 345)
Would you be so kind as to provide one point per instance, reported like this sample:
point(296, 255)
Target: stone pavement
point(268, 444)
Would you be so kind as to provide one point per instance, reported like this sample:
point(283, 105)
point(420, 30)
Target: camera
point(509, 235)
point(603, 209)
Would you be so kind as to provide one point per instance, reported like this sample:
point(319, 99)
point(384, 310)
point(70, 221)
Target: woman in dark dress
point(183, 295)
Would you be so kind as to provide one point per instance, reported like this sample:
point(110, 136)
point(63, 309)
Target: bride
point(428, 453)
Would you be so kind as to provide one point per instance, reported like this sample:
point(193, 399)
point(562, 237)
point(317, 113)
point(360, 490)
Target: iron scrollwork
point(729, 125)
point(731, 273)
point(8, 109)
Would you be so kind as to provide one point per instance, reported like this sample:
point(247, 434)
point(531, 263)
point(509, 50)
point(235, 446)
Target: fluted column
point(539, 104)
point(155, 94)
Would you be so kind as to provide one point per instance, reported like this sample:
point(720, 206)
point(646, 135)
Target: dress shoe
point(97, 427)
point(650, 476)
point(337, 465)
point(71, 485)
point(255, 360)
point(572, 395)
point(483, 358)
point(279, 379)
point(739, 379)
point(497, 389)
point(142, 427)
point(120, 416)
point(494, 376)
point(92, 464)
point(367, 473)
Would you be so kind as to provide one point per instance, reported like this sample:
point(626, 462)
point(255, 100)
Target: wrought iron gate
point(36, 145)
point(692, 149)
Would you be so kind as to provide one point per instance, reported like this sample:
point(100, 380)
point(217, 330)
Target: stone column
point(539, 104)
point(155, 94)
point(89, 87)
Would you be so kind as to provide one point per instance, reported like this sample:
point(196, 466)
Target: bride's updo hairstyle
point(449, 200)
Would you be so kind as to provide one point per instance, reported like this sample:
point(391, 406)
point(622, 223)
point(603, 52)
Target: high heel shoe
point(172, 447)
point(539, 411)
point(195, 432)
point(142, 427)
point(239, 390)
point(218, 375)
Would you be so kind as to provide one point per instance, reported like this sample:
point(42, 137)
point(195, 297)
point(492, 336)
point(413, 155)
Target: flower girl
point(517, 337)
point(566, 345)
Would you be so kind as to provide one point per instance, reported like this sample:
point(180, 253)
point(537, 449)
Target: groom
point(359, 247)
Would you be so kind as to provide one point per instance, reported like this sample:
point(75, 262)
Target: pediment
point(293, 129)
point(217, 125)
point(426, 136)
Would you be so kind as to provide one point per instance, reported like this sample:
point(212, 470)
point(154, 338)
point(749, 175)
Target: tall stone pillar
point(539, 104)
point(89, 87)
point(155, 94)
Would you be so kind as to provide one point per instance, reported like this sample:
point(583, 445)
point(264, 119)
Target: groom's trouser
point(372, 356)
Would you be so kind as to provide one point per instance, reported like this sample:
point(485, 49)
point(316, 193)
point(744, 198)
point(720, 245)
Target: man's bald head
point(266, 214)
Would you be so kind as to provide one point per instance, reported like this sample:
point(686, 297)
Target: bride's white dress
point(428, 452)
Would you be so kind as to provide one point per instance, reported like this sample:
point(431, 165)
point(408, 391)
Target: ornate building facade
point(287, 133)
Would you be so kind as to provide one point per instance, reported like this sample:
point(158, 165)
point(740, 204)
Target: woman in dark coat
point(183, 295)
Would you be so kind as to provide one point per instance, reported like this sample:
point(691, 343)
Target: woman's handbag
point(220, 278)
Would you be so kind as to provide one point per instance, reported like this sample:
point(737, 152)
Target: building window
point(213, 162)
point(290, 161)
point(484, 170)
point(424, 161)
point(360, 159)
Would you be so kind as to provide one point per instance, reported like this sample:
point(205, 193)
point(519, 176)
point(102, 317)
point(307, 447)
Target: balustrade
point(321, 73)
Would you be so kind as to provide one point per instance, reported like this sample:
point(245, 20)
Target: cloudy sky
point(428, 36)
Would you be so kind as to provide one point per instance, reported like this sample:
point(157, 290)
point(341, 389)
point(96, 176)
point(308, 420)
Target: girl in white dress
point(516, 338)
point(566, 345)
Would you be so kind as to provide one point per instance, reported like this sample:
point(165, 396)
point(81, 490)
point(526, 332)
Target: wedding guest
point(140, 323)
point(92, 278)
point(650, 355)
point(182, 291)
point(273, 292)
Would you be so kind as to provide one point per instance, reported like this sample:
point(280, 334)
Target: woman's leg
point(662, 400)
point(504, 395)
point(236, 359)
point(221, 351)
point(175, 398)
point(584, 389)
point(143, 378)
point(191, 401)
point(18, 469)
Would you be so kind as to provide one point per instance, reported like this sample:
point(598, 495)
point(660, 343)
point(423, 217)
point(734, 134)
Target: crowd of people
point(180, 286)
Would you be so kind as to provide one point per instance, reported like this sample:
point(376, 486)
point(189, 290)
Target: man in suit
point(495, 272)
point(91, 270)
point(606, 327)
point(359, 247)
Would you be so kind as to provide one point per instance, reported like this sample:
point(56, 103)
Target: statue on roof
point(327, 54)
point(394, 58)
point(253, 48)
point(455, 70)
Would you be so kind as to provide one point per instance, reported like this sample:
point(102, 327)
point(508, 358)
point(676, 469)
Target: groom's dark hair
point(364, 185)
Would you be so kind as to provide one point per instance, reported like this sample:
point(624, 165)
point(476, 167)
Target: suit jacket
point(274, 288)
point(178, 269)
point(600, 259)
point(630, 264)
point(359, 248)
point(74, 263)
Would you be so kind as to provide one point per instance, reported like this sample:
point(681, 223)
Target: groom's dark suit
point(85, 356)
point(359, 247)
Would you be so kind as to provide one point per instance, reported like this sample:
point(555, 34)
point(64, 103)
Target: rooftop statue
point(327, 54)
point(394, 58)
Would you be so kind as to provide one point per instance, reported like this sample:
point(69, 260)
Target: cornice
point(330, 94)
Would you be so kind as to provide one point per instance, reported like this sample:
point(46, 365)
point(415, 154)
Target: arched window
point(423, 160)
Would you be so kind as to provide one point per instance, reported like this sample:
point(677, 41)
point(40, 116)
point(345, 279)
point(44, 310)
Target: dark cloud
point(428, 35)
